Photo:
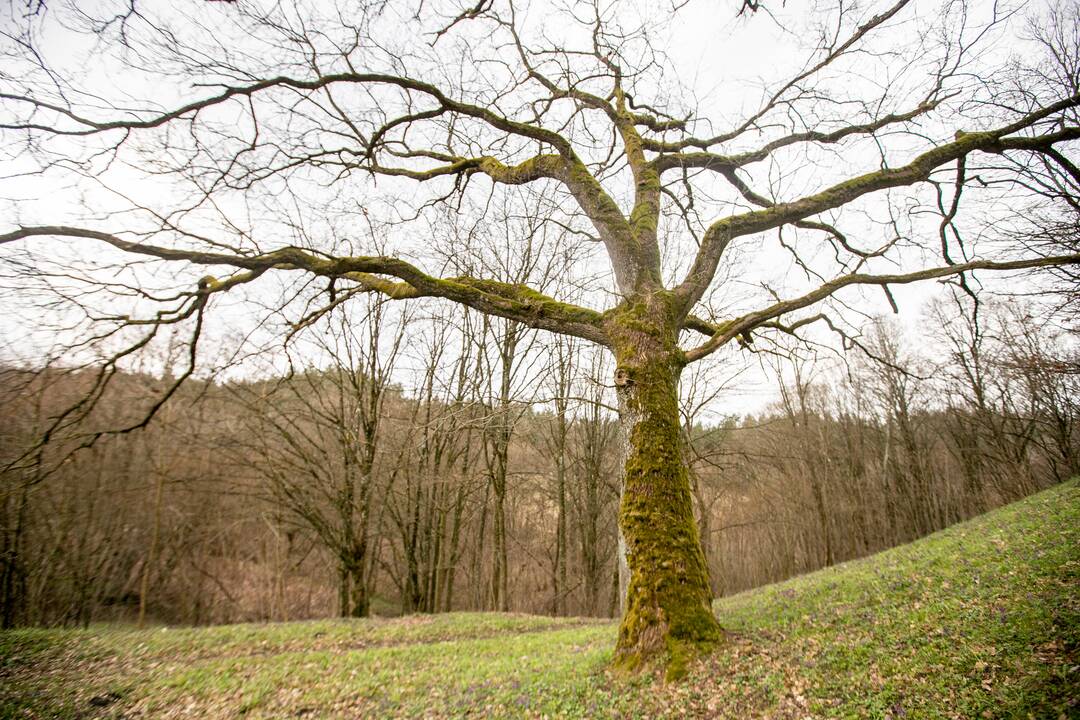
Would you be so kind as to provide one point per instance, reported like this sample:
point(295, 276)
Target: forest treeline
point(487, 478)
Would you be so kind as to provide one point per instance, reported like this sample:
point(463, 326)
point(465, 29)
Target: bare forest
point(339, 490)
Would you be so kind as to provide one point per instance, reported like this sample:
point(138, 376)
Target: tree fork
point(668, 615)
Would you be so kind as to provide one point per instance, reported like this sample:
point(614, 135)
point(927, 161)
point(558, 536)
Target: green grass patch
point(981, 620)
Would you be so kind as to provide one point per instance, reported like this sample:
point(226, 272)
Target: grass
point(981, 620)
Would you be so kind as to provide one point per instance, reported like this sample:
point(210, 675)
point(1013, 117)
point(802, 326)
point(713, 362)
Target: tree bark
point(500, 582)
point(361, 602)
point(558, 605)
point(455, 546)
point(151, 553)
point(590, 543)
point(668, 603)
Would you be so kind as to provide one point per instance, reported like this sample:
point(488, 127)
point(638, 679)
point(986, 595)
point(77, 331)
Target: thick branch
point(645, 216)
point(535, 168)
point(515, 302)
point(723, 333)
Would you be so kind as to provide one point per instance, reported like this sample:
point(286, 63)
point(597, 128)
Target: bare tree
point(431, 481)
point(319, 433)
point(808, 437)
point(562, 374)
point(287, 117)
point(1048, 369)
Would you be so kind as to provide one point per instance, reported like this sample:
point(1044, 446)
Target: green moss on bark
point(669, 618)
point(526, 301)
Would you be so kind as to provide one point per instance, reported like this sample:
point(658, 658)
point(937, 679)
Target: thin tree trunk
point(500, 583)
point(14, 578)
point(559, 585)
point(151, 553)
point(343, 588)
point(455, 551)
point(478, 557)
point(590, 544)
point(822, 515)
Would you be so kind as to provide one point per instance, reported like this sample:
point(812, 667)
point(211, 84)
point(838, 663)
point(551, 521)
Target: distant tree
point(319, 432)
point(431, 490)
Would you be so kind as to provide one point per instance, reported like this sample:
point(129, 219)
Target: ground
point(981, 620)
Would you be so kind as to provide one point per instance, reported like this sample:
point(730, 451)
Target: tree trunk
point(455, 547)
point(822, 516)
point(704, 519)
point(500, 581)
point(343, 588)
point(361, 601)
point(12, 571)
point(622, 569)
point(433, 522)
point(558, 603)
point(151, 553)
point(501, 440)
point(668, 605)
point(590, 545)
point(479, 600)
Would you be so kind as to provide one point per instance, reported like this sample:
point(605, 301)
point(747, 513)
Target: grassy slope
point(982, 620)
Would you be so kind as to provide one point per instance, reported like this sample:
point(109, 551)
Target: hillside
point(981, 620)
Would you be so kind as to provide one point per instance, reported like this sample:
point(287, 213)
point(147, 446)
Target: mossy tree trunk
point(668, 614)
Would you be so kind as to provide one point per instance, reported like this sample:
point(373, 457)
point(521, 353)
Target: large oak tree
point(253, 140)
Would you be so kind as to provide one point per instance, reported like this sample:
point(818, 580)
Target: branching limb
point(720, 233)
point(515, 302)
point(672, 157)
point(727, 331)
point(731, 175)
point(775, 98)
point(82, 125)
point(76, 413)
